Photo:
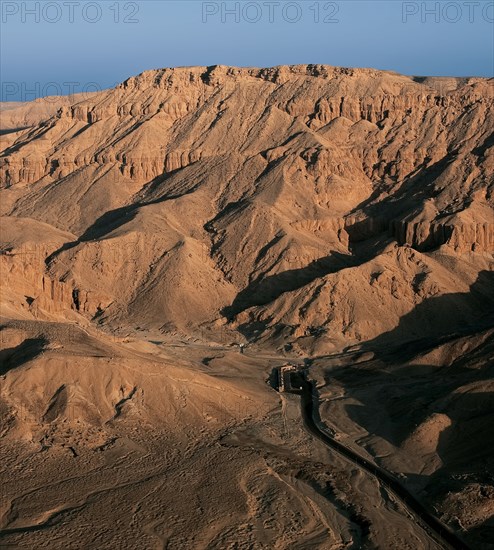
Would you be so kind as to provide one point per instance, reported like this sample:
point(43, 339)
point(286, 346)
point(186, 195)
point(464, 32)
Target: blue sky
point(50, 47)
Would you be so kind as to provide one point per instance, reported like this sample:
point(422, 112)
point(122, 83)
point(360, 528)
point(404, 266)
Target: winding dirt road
point(436, 529)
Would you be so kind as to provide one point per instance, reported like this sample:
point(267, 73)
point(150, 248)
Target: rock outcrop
point(242, 193)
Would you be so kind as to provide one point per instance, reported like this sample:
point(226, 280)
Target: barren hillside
point(293, 198)
point(345, 216)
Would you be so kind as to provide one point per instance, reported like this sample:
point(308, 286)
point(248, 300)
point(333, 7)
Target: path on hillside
point(310, 415)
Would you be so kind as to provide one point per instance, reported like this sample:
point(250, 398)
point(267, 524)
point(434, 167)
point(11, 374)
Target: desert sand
point(340, 219)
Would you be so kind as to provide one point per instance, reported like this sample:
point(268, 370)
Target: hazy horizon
point(60, 48)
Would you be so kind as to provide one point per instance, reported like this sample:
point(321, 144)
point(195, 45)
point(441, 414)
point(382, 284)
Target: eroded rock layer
point(302, 197)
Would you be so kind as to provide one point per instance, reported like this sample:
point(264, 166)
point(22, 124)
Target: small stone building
point(284, 378)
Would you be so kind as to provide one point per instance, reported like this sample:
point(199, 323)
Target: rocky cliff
point(213, 194)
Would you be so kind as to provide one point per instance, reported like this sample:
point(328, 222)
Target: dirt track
point(430, 523)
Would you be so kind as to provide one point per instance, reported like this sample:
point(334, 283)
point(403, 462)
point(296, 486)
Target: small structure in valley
point(285, 378)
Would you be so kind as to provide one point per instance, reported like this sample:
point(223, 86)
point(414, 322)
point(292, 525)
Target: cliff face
point(31, 289)
point(260, 180)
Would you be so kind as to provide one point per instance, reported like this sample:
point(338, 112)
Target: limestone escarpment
point(247, 190)
point(36, 291)
point(25, 247)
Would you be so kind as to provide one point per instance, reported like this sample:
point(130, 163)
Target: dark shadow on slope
point(396, 395)
point(105, 224)
point(396, 403)
point(114, 219)
point(42, 127)
point(265, 290)
point(469, 438)
point(12, 358)
point(7, 131)
point(482, 149)
point(392, 404)
point(236, 206)
point(439, 319)
point(482, 535)
point(420, 509)
point(411, 194)
point(391, 386)
point(81, 130)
